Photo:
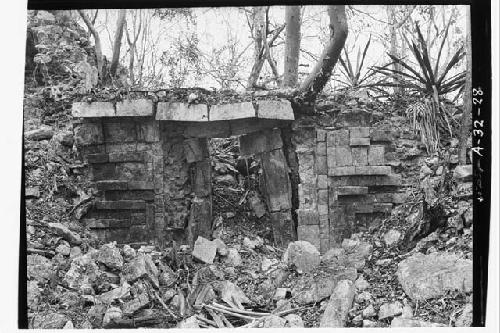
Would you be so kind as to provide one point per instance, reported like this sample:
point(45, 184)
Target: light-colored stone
point(465, 318)
point(64, 232)
point(233, 258)
point(110, 256)
point(369, 311)
point(94, 109)
point(427, 276)
point(303, 255)
point(376, 155)
point(407, 322)
point(279, 109)
point(340, 303)
point(463, 173)
point(231, 111)
point(369, 323)
point(361, 284)
point(293, 320)
point(190, 322)
point(388, 310)
point(391, 237)
point(141, 267)
point(359, 141)
point(407, 311)
point(181, 111)
point(49, 321)
point(112, 313)
point(204, 250)
point(272, 321)
point(222, 248)
point(134, 108)
point(43, 133)
point(110, 296)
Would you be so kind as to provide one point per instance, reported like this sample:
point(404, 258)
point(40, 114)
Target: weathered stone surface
point(391, 237)
point(82, 273)
point(112, 313)
point(195, 149)
point(359, 141)
point(49, 320)
point(190, 322)
point(338, 138)
point(340, 303)
point(43, 133)
point(122, 204)
point(293, 320)
point(309, 233)
point(307, 217)
point(97, 158)
point(127, 157)
point(32, 192)
point(427, 276)
point(342, 171)
point(204, 250)
point(303, 255)
point(231, 111)
point(283, 227)
point(88, 133)
point(342, 156)
point(39, 268)
point(369, 311)
point(463, 173)
point(352, 190)
point(181, 111)
point(94, 109)
point(320, 135)
point(134, 108)
point(322, 181)
point(407, 322)
point(141, 266)
point(110, 256)
point(359, 156)
point(105, 185)
point(376, 155)
point(199, 223)
point(117, 293)
point(259, 142)
point(276, 179)
point(388, 310)
point(272, 321)
point(321, 165)
point(65, 233)
point(279, 109)
point(233, 258)
point(148, 131)
point(359, 132)
point(373, 170)
point(361, 284)
point(119, 131)
point(134, 305)
point(381, 135)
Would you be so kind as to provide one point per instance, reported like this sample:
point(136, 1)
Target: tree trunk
point(394, 45)
point(467, 97)
point(97, 41)
point(117, 42)
point(292, 46)
point(319, 76)
point(259, 28)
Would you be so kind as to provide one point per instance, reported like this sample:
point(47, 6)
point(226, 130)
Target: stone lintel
point(232, 111)
point(359, 141)
point(134, 108)
point(121, 204)
point(177, 111)
point(93, 110)
point(277, 109)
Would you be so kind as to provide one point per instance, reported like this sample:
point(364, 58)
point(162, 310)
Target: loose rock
point(392, 237)
point(204, 250)
point(303, 255)
point(339, 305)
point(406, 322)
point(388, 310)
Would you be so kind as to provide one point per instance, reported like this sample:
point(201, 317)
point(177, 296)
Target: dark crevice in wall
point(293, 164)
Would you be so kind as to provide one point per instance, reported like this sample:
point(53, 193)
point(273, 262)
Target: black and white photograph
point(256, 166)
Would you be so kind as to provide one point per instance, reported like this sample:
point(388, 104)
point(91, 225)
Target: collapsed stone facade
point(150, 161)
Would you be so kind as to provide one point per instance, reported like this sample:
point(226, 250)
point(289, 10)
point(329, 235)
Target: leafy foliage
point(352, 76)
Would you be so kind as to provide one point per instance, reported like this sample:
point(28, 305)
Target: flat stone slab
point(93, 110)
point(181, 111)
point(232, 111)
point(279, 109)
point(428, 276)
point(134, 108)
point(352, 190)
point(376, 170)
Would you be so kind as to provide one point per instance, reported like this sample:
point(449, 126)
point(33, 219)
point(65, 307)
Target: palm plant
point(428, 81)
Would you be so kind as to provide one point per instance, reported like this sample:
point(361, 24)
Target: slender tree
point(319, 76)
point(292, 46)
point(97, 41)
point(120, 23)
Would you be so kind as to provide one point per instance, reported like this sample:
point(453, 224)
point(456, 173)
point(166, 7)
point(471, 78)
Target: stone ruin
point(150, 162)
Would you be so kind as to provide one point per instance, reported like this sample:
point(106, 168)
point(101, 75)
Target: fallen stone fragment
point(117, 293)
point(76, 251)
point(280, 293)
point(272, 321)
point(32, 192)
point(333, 254)
point(112, 313)
point(128, 252)
point(388, 310)
point(233, 258)
point(361, 284)
point(39, 268)
point(82, 273)
point(190, 322)
point(358, 320)
point(141, 266)
point(167, 277)
point(65, 233)
point(168, 295)
point(65, 138)
point(383, 262)
point(303, 255)
point(407, 311)
point(463, 173)
point(252, 243)
point(136, 304)
point(340, 302)
point(369, 311)
point(293, 320)
point(369, 323)
point(69, 325)
point(407, 322)
point(49, 321)
point(427, 276)
point(267, 263)
point(257, 206)
point(63, 249)
point(33, 293)
point(231, 294)
point(96, 314)
point(204, 250)
point(465, 318)
point(392, 237)
point(222, 248)
point(349, 244)
point(109, 255)
point(43, 133)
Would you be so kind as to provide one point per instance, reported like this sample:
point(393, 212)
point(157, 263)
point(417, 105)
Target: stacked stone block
point(344, 182)
point(267, 146)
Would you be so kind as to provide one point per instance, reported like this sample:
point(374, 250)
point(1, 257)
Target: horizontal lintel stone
point(359, 132)
point(232, 111)
point(177, 111)
point(278, 109)
point(352, 190)
point(93, 110)
point(134, 108)
point(122, 204)
point(105, 185)
point(359, 141)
